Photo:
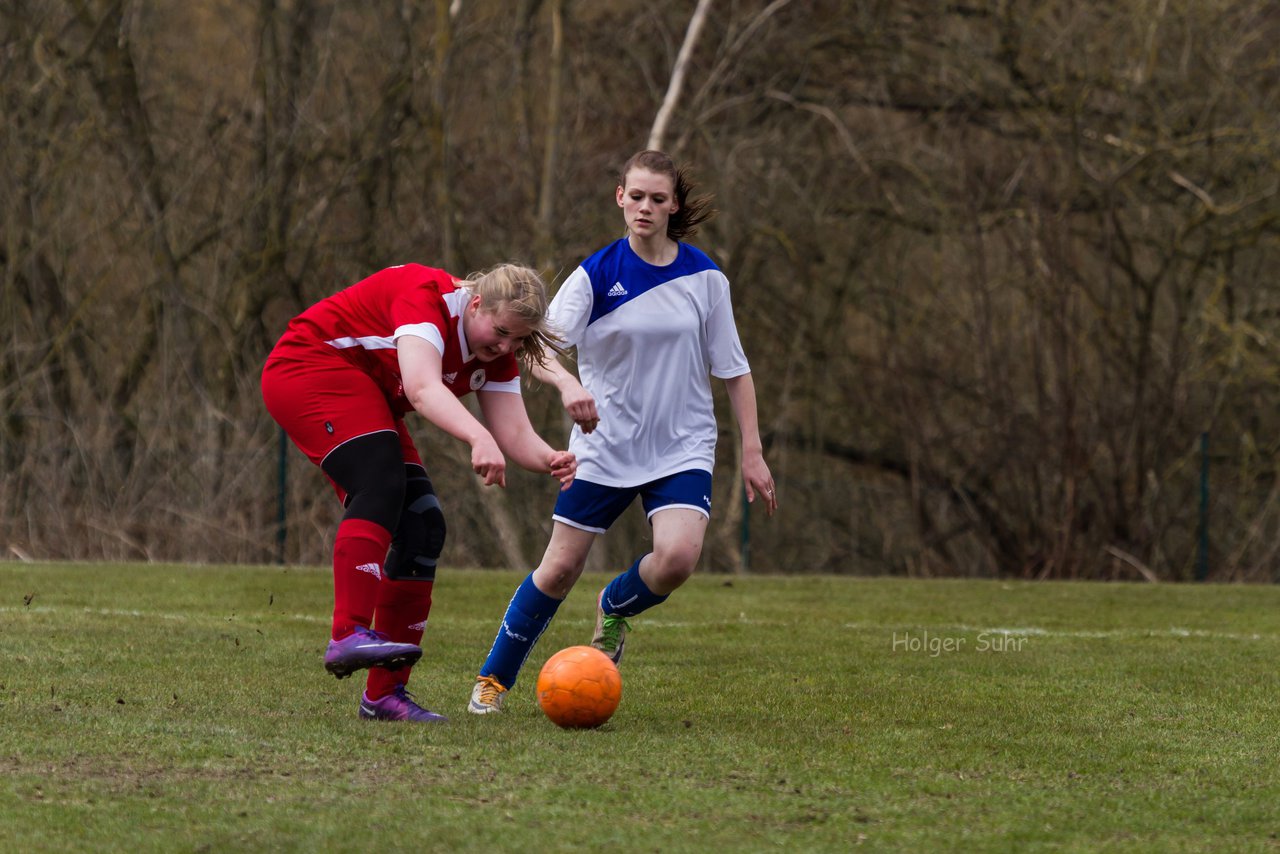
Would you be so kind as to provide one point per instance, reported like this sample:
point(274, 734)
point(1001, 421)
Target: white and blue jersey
point(648, 340)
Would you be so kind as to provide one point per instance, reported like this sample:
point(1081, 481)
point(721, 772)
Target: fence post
point(1202, 552)
point(282, 489)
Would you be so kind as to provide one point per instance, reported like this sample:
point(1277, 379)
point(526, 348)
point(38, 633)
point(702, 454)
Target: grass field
point(170, 708)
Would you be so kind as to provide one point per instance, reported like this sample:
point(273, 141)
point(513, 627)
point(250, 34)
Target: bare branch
point(659, 129)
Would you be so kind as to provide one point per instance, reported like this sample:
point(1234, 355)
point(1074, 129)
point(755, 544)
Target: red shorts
point(322, 403)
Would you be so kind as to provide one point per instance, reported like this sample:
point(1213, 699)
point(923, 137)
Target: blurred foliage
point(998, 265)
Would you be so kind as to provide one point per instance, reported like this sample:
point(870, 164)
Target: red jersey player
point(340, 381)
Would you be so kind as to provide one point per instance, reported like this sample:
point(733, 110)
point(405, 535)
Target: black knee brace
point(419, 538)
point(371, 470)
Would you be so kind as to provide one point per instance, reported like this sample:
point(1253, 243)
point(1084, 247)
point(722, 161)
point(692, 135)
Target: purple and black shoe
point(397, 706)
point(366, 648)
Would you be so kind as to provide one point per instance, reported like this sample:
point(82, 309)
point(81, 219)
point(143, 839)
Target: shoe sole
point(483, 710)
point(371, 716)
point(615, 656)
point(342, 669)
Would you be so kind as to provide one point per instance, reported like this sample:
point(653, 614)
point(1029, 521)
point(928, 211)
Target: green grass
point(169, 708)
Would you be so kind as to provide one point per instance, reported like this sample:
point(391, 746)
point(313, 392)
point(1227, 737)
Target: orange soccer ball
point(579, 687)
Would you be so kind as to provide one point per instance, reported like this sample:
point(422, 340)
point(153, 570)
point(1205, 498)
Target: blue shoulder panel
point(618, 275)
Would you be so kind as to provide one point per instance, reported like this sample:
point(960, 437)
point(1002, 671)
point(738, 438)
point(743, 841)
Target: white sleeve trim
point(511, 386)
point(427, 331)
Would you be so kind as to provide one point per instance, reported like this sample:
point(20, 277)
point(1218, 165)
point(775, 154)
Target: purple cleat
point(397, 706)
point(366, 648)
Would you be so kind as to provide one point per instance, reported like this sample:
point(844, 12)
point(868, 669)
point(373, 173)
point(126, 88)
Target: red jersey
point(362, 323)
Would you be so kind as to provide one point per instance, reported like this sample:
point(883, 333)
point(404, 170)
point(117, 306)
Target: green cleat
point(611, 632)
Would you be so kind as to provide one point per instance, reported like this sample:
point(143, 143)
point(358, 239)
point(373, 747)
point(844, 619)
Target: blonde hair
point(519, 290)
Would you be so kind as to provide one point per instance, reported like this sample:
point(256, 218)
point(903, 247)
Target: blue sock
point(628, 595)
point(527, 617)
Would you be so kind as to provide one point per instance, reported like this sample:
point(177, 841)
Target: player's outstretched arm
point(755, 472)
point(578, 402)
point(508, 420)
point(420, 367)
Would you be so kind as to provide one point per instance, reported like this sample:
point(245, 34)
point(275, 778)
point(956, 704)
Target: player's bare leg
point(564, 559)
point(678, 535)
point(528, 614)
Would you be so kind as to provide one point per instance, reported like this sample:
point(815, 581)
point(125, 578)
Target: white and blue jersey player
point(652, 322)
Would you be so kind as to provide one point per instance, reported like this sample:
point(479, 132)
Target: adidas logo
point(371, 568)
point(617, 290)
point(419, 627)
point(451, 376)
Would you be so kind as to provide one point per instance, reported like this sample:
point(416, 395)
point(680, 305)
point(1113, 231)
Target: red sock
point(358, 552)
point(403, 608)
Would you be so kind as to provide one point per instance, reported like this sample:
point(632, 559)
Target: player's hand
point(581, 407)
point(487, 461)
point(759, 481)
point(564, 467)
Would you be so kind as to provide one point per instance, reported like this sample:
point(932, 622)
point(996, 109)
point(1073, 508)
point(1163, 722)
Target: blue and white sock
point(628, 595)
point(528, 615)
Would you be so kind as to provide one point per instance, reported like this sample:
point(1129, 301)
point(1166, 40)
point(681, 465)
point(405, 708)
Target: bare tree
point(659, 130)
point(998, 268)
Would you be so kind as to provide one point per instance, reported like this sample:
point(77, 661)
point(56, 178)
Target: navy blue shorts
point(593, 507)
